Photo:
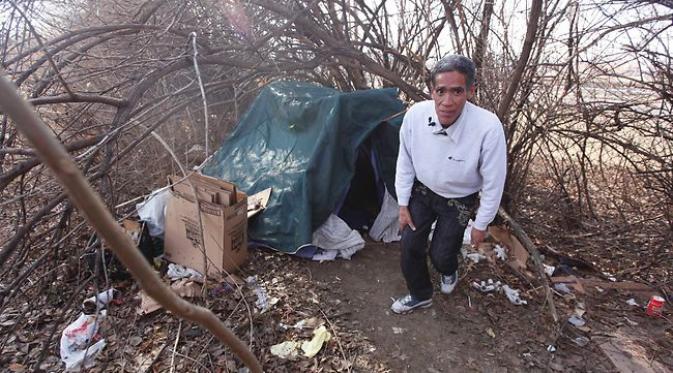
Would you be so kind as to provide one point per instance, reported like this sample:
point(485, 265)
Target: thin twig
point(336, 337)
point(170, 151)
point(175, 346)
point(203, 90)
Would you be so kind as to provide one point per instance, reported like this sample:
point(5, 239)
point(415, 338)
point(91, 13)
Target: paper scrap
point(186, 288)
point(500, 252)
point(513, 295)
point(518, 253)
point(312, 347)
point(147, 304)
point(487, 286)
point(286, 350)
point(397, 330)
point(476, 257)
point(258, 202)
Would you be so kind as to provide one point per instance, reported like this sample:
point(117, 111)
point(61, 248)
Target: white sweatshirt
point(471, 157)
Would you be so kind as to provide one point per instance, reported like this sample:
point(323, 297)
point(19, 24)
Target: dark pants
point(452, 215)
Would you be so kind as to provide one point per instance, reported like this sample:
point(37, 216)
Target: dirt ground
point(452, 335)
point(467, 331)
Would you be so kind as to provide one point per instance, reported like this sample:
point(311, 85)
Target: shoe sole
point(427, 305)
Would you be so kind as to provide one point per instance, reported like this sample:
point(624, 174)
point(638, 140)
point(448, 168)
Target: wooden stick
point(89, 203)
point(528, 244)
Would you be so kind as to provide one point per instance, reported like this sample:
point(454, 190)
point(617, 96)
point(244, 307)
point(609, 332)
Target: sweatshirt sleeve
point(493, 170)
point(404, 172)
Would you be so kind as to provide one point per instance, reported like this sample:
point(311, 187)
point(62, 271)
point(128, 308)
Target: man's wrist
point(480, 228)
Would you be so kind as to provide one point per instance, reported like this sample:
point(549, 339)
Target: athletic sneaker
point(409, 303)
point(449, 283)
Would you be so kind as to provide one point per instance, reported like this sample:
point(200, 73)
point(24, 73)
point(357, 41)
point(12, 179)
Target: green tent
point(310, 144)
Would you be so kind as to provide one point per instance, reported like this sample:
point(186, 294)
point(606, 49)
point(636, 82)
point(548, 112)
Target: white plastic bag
point(467, 235)
point(100, 300)
point(153, 211)
point(176, 272)
point(75, 339)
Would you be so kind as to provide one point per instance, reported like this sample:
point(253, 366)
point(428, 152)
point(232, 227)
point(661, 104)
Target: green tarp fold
point(302, 140)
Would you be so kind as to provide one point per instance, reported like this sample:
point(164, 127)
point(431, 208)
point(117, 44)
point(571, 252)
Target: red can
point(655, 306)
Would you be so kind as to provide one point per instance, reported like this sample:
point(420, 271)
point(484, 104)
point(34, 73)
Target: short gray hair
point(455, 62)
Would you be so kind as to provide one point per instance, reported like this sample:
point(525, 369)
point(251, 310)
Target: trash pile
point(185, 282)
point(274, 309)
point(574, 284)
point(169, 227)
point(194, 234)
point(489, 286)
point(492, 253)
point(187, 220)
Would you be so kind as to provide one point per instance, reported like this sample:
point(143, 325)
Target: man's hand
point(405, 219)
point(476, 235)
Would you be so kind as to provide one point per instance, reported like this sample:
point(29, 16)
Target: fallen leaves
point(17, 368)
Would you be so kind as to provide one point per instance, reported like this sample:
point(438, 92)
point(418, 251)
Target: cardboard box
point(223, 212)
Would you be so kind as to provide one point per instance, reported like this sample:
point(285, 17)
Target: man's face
point(450, 93)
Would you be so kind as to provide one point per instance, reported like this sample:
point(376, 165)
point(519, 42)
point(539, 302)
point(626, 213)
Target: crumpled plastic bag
point(549, 270)
point(562, 288)
point(513, 295)
point(75, 339)
point(153, 211)
point(264, 302)
point(80, 341)
point(577, 321)
point(467, 235)
point(176, 272)
point(500, 252)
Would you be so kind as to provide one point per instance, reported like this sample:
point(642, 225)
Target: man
point(450, 150)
